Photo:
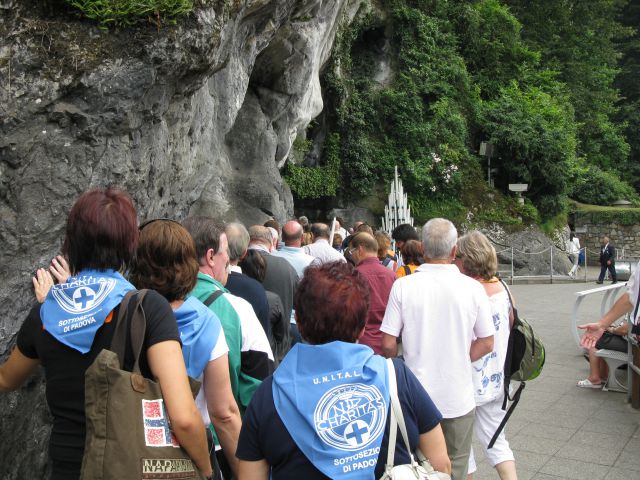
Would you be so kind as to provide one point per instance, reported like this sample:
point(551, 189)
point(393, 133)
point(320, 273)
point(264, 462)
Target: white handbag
point(421, 469)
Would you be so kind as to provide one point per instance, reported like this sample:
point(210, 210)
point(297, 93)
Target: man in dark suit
point(607, 260)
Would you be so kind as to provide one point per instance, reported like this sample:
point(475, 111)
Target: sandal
point(586, 383)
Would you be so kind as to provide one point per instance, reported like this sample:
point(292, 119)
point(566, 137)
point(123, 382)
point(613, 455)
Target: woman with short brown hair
point(166, 262)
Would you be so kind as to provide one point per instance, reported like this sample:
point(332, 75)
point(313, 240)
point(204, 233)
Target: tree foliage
point(535, 135)
point(577, 39)
point(627, 82)
point(552, 84)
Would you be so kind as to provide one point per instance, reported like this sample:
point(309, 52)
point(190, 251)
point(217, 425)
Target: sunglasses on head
point(149, 222)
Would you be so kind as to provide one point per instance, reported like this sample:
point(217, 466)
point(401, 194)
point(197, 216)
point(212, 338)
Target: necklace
point(492, 280)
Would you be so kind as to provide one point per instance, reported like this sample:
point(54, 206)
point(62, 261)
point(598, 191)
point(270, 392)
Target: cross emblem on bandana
point(84, 297)
point(357, 433)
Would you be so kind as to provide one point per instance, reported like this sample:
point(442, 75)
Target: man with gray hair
point(240, 284)
point(445, 321)
point(280, 277)
point(250, 356)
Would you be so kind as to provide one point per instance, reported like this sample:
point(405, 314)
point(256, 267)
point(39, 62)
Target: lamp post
point(487, 150)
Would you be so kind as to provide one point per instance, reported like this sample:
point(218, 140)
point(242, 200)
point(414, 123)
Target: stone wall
point(590, 231)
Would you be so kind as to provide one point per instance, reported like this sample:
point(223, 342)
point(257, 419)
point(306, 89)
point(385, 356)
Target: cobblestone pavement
point(560, 431)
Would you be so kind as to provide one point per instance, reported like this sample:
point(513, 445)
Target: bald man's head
point(292, 234)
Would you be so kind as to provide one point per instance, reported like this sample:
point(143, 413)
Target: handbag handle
point(138, 326)
point(397, 420)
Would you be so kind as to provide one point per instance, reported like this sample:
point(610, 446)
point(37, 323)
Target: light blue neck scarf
point(333, 399)
point(199, 330)
point(74, 311)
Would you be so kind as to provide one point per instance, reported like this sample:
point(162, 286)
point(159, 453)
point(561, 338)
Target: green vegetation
point(129, 12)
point(592, 185)
point(552, 84)
point(607, 215)
point(315, 182)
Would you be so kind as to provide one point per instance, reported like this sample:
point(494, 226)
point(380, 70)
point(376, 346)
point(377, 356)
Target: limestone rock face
point(531, 251)
point(193, 118)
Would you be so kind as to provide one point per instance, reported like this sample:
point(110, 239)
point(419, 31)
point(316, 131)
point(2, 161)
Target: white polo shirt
point(632, 290)
point(439, 311)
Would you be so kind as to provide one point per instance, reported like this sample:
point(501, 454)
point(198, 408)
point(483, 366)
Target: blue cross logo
point(83, 296)
point(357, 432)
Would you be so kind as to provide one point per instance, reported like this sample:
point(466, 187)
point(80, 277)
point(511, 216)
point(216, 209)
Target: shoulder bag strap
point(396, 412)
point(213, 297)
point(513, 308)
point(508, 358)
point(119, 339)
point(407, 270)
point(393, 425)
point(514, 402)
point(137, 329)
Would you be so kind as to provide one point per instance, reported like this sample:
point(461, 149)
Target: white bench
point(614, 361)
point(609, 296)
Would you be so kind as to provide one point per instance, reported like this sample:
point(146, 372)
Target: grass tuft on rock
point(129, 12)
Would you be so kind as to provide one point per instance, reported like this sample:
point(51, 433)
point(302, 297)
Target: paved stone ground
point(560, 431)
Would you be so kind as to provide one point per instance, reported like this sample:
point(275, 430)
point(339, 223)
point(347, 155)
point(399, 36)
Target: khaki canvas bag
point(128, 431)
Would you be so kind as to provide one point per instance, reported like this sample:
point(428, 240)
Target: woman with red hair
point(325, 411)
point(74, 324)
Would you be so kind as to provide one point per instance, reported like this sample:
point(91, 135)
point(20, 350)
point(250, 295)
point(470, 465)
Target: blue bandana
point(74, 311)
point(333, 399)
point(199, 331)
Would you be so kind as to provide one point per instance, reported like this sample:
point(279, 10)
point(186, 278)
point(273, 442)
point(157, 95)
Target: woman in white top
point(573, 249)
point(476, 258)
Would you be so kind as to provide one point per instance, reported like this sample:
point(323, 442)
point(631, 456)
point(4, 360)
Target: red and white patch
point(157, 431)
point(152, 409)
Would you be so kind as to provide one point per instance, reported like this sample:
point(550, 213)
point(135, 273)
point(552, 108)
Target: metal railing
point(626, 264)
point(512, 276)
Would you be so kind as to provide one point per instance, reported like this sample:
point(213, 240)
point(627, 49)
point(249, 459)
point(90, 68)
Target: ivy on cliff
point(317, 181)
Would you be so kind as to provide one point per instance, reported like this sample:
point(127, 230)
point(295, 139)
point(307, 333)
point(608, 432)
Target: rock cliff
point(192, 118)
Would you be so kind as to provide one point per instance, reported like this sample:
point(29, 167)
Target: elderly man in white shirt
point(320, 248)
point(445, 321)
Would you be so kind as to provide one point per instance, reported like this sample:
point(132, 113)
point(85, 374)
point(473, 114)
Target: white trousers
point(488, 418)
point(574, 257)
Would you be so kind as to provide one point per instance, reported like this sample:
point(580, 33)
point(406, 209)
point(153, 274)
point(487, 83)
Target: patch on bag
point(157, 431)
point(167, 468)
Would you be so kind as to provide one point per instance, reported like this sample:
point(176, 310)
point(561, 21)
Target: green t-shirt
point(231, 325)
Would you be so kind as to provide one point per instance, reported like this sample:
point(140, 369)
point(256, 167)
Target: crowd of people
point(287, 329)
